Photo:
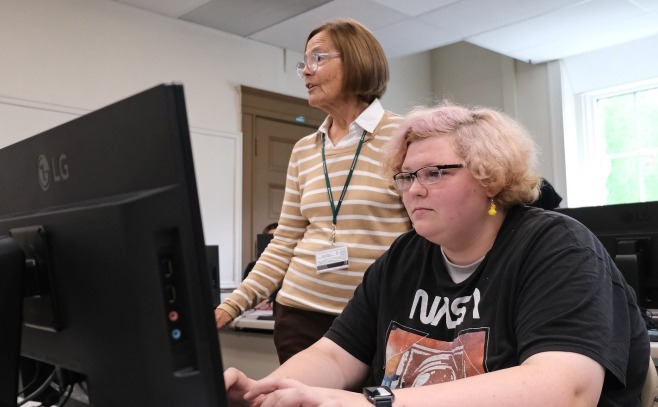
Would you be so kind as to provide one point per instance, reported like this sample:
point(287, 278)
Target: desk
point(247, 344)
point(251, 320)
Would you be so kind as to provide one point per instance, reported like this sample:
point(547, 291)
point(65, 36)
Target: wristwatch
point(380, 396)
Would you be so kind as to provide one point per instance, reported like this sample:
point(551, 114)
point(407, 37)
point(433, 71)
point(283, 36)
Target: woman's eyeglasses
point(312, 61)
point(425, 176)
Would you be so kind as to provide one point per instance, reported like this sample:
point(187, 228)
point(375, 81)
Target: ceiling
point(529, 30)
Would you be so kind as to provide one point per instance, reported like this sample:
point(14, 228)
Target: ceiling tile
point(414, 8)
point(651, 5)
point(244, 18)
point(292, 34)
point(571, 26)
point(410, 37)
point(470, 17)
point(536, 30)
point(172, 8)
point(595, 38)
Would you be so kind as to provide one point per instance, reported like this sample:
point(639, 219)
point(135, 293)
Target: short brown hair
point(366, 67)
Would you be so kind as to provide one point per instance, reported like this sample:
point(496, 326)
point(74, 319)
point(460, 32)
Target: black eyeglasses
point(425, 176)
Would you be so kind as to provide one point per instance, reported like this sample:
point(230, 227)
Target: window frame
point(587, 172)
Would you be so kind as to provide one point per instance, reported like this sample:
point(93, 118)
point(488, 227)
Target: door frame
point(261, 103)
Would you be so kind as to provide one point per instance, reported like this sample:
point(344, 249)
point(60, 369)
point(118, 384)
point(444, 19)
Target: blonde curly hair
point(496, 149)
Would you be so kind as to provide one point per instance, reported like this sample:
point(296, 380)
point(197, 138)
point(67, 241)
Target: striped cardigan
point(370, 218)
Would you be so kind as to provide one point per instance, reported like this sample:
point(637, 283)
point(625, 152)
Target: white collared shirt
point(367, 120)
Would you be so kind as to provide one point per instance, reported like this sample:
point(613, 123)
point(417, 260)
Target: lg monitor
point(629, 233)
point(102, 246)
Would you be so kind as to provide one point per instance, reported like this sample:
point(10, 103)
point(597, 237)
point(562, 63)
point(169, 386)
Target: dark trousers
point(296, 329)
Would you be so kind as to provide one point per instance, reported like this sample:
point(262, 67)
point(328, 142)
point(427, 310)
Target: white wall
point(410, 83)
point(539, 108)
point(468, 74)
point(61, 59)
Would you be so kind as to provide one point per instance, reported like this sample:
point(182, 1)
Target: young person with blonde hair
point(487, 302)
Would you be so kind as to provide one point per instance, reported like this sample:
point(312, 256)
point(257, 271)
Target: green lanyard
point(335, 208)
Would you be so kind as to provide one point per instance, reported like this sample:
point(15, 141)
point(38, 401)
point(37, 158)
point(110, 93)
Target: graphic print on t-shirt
point(413, 359)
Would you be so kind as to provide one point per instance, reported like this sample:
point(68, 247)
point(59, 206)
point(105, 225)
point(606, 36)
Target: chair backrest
point(650, 389)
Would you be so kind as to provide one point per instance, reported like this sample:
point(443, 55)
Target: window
point(618, 146)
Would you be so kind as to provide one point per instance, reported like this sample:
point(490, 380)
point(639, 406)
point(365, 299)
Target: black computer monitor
point(629, 233)
point(212, 259)
point(262, 241)
point(116, 293)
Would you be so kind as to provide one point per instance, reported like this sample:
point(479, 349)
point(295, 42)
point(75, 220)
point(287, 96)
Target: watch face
point(378, 393)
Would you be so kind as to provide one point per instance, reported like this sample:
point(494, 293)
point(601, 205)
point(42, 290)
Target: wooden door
point(271, 125)
point(274, 143)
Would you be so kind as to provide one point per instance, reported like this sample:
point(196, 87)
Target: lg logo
point(53, 170)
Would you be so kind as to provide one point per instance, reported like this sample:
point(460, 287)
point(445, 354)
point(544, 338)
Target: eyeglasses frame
point(301, 65)
point(414, 175)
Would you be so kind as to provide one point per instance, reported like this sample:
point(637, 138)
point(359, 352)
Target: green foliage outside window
point(629, 125)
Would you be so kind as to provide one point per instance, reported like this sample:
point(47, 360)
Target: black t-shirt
point(547, 284)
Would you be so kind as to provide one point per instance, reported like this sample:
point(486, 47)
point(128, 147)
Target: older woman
point(339, 214)
point(487, 302)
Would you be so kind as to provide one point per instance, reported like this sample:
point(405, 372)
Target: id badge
point(334, 258)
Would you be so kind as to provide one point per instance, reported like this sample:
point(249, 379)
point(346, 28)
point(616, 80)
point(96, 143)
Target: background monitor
point(117, 290)
point(212, 259)
point(262, 240)
point(629, 233)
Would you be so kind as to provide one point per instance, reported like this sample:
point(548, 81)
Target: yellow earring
point(492, 209)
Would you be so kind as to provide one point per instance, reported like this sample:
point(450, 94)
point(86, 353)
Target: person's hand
point(276, 392)
point(222, 318)
point(237, 384)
